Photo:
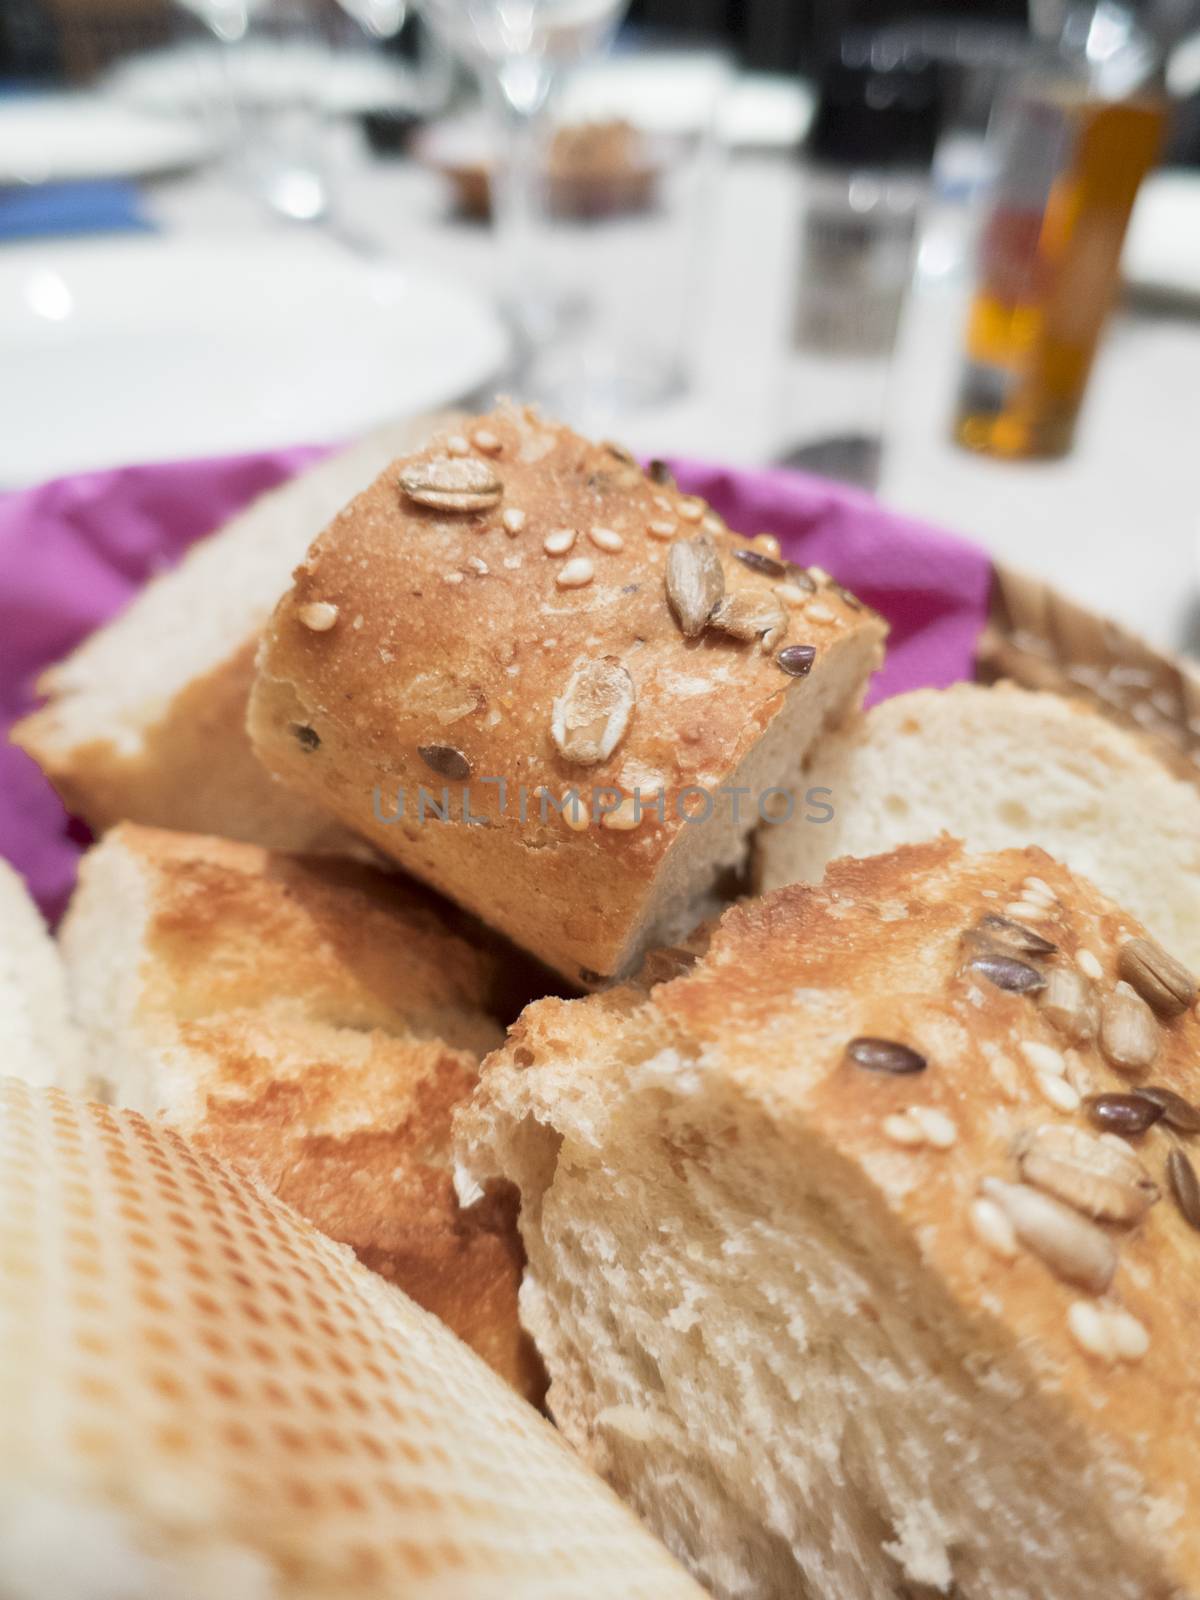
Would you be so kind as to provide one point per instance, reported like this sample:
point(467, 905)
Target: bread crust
point(881, 949)
point(317, 1023)
point(450, 632)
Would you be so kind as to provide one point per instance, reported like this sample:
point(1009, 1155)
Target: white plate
point(66, 136)
point(267, 72)
point(1162, 250)
point(146, 351)
point(684, 92)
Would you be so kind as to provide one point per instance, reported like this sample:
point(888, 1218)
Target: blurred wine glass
point(517, 48)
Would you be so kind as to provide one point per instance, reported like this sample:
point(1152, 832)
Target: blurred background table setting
point(879, 241)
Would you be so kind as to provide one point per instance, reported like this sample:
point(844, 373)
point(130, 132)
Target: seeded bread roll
point(145, 721)
point(518, 605)
point(37, 1040)
point(1001, 768)
point(317, 1023)
point(203, 1398)
point(858, 1266)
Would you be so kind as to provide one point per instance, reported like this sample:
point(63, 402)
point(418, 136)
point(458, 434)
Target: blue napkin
point(103, 205)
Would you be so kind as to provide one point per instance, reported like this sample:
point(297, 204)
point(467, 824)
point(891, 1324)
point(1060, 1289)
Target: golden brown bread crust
point(880, 950)
point(331, 1018)
point(451, 632)
point(194, 768)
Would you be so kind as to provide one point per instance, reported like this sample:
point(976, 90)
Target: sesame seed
point(574, 812)
point(820, 613)
point(625, 816)
point(1089, 1328)
point(486, 441)
point(1107, 1332)
point(358, 622)
point(1043, 1057)
point(1038, 889)
point(939, 1129)
point(452, 577)
point(992, 1228)
point(319, 615)
point(456, 445)
point(901, 1129)
point(790, 593)
point(819, 575)
point(1088, 965)
point(767, 543)
point(513, 519)
point(606, 538)
point(690, 509)
point(1131, 1337)
point(477, 564)
point(1058, 1092)
point(663, 504)
point(1026, 910)
point(712, 523)
point(559, 541)
point(661, 529)
point(576, 573)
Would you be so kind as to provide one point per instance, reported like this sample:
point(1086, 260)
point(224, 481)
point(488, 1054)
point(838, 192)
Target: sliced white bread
point(205, 1399)
point(146, 719)
point(316, 1022)
point(37, 1041)
point(1001, 768)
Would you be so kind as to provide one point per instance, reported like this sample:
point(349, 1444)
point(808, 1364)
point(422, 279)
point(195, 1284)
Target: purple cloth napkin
point(73, 552)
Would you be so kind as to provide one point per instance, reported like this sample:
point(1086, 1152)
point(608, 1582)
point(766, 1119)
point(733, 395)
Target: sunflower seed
point(1185, 1187)
point(307, 738)
point(750, 616)
point(1106, 1182)
point(1128, 1031)
point(1177, 1112)
point(758, 562)
point(884, 1055)
point(659, 472)
point(1127, 1114)
point(1006, 934)
point(620, 452)
point(1006, 972)
point(319, 615)
point(591, 715)
point(1069, 1004)
point(1071, 1246)
point(452, 484)
point(797, 659)
point(445, 760)
point(1164, 983)
point(695, 582)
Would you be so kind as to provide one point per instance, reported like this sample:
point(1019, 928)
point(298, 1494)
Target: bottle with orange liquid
point(1073, 142)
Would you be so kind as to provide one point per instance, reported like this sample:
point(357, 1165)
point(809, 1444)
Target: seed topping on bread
point(452, 483)
point(884, 1055)
point(592, 713)
point(797, 659)
point(695, 582)
point(318, 615)
point(446, 761)
point(768, 566)
point(1185, 1186)
point(1102, 1178)
point(1176, 1112)
point(1164, 984)
point(1125, 1114)
point(1128, 1031)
